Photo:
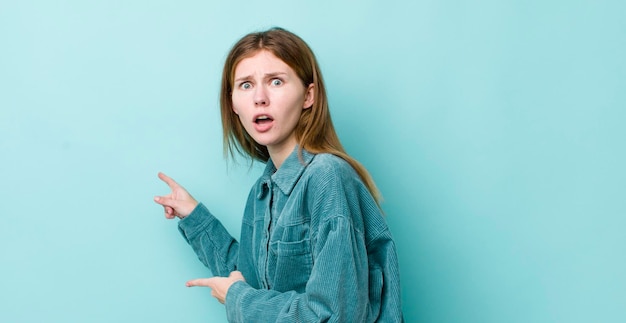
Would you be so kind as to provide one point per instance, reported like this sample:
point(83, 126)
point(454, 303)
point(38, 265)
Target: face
point(269, 98)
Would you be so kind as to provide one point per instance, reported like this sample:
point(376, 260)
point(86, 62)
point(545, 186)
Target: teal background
point(493, 128)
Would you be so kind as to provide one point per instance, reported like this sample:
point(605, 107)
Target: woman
point(314, 245)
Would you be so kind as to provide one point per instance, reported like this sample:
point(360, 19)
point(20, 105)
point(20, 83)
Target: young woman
point(314, 244)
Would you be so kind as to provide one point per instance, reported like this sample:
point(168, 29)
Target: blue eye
point(245, 85)
point(277, 82)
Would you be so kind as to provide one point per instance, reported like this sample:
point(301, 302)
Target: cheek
point(236, 103)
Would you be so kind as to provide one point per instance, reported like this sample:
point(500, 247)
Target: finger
point(216, 296)
point(204, 282)
point(166, 201)
point(169, 181)
point(169, 212)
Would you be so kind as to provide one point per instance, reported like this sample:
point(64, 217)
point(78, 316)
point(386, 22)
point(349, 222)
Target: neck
point(279, 154)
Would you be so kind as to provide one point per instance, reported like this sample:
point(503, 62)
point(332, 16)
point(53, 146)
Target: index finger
point(205, 282)
point(169, 181)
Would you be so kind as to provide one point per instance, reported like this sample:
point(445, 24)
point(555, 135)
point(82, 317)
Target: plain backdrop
point(494, 129)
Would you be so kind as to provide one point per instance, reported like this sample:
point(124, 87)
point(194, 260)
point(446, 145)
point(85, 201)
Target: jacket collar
point(287, 175)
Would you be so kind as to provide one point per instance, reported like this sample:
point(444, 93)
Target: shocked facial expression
point(269, 98)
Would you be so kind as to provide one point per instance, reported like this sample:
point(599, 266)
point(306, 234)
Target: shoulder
point(333, 183)
point(335, 192)
point(326, 166)
point(328, 159)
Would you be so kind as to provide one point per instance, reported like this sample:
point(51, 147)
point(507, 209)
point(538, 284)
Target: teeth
point(262, 118)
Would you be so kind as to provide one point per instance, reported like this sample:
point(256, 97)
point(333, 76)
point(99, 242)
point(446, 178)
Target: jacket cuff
point(195, 222)
point(234, 298)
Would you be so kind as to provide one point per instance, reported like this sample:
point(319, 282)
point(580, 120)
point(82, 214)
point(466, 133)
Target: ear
point(309, 96)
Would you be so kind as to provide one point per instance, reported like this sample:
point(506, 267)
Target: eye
point(277, 82)
point(245, 86)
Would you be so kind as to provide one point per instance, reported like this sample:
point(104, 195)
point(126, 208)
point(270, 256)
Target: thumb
point(236, 275)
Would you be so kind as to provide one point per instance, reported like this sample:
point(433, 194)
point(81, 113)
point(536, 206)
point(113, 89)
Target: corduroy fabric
point(314, 247)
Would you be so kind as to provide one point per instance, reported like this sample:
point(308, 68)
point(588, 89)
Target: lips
point(263, 122)
point(263, 119)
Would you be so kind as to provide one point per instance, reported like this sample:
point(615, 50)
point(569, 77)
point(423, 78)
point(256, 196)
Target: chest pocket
point(290, 258)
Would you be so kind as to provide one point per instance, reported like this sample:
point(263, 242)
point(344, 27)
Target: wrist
point(191, 206)
point(190, 209)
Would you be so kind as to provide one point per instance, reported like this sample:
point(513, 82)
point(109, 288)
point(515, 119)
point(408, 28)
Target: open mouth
point(263, 119)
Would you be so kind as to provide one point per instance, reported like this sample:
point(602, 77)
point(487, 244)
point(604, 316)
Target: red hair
point(315, 131)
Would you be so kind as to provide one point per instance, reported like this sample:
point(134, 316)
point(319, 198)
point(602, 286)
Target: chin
point(262, 141)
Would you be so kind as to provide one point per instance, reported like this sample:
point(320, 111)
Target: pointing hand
point(219, 285)
point(179, 203)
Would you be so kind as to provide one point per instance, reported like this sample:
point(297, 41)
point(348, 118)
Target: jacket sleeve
point(337, 290)
point(211, 242)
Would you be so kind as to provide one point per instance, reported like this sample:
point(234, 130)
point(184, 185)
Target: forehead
point(261, 62)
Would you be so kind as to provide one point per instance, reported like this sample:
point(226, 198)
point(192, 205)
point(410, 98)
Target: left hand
point(219, 285)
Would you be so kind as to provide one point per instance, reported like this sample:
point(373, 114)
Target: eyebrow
point(266, 76)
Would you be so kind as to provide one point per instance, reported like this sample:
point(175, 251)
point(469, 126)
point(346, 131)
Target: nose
point(260, 96)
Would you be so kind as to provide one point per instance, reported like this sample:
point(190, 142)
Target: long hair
point(315, 131)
